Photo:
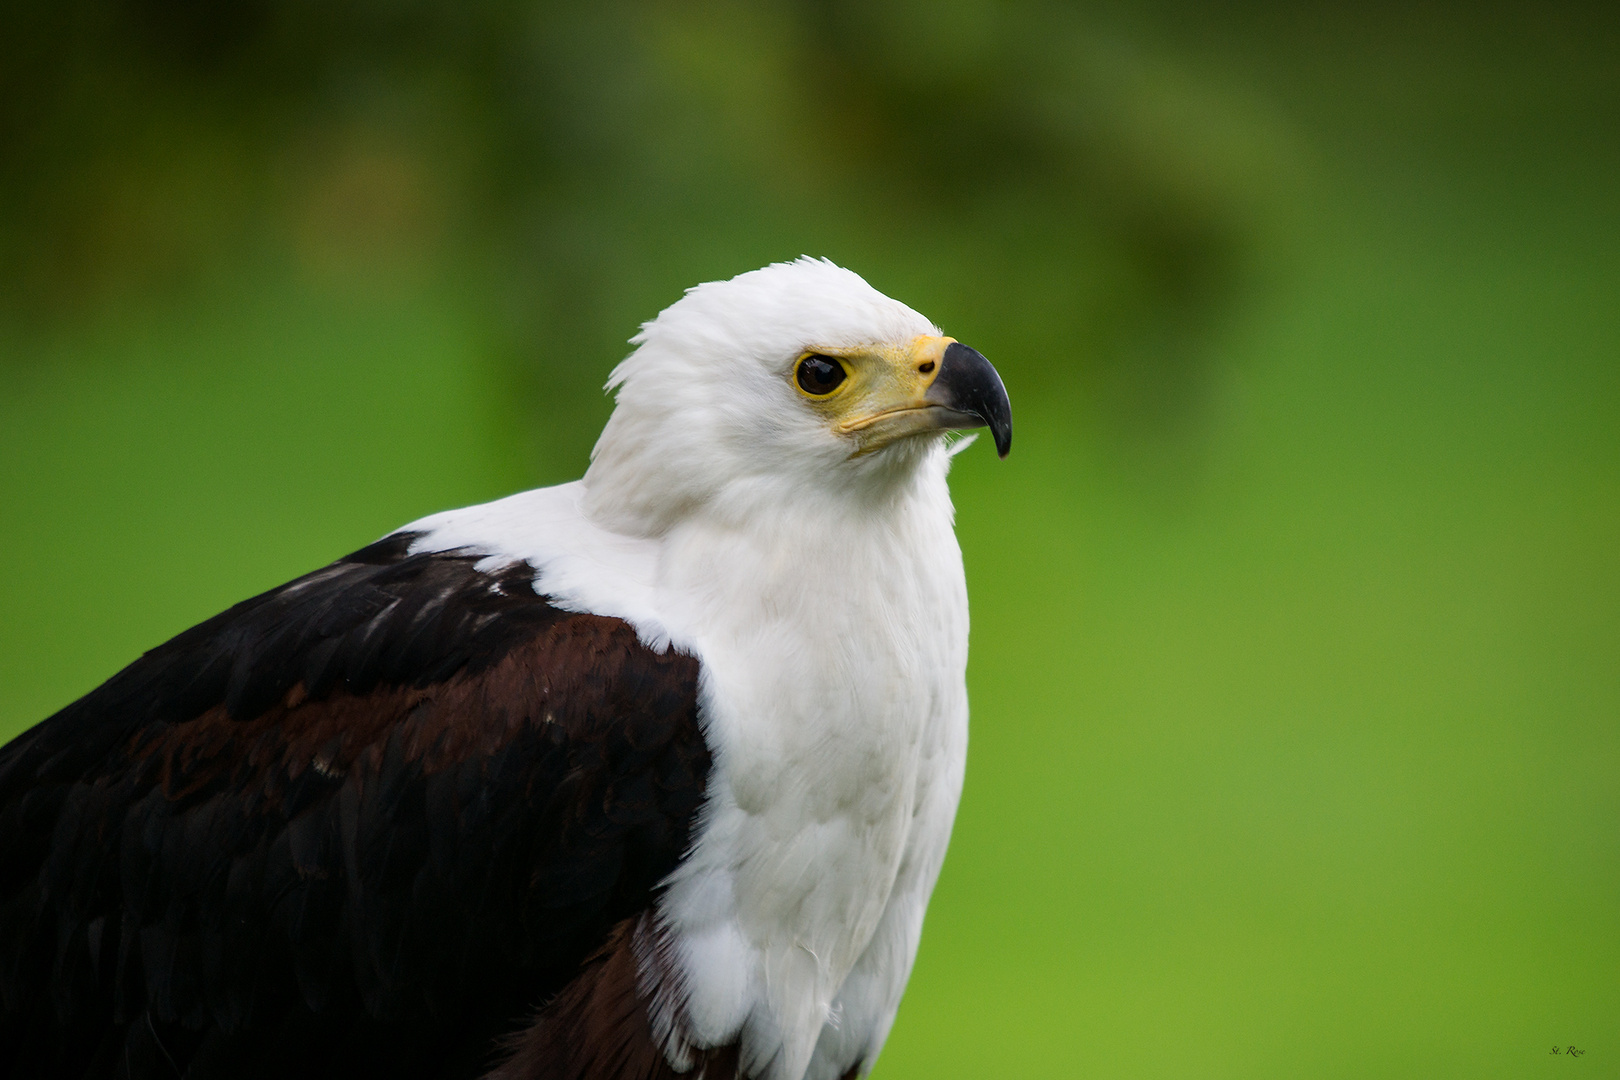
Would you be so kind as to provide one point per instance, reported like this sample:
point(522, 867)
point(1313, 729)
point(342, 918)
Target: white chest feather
point(833, 695)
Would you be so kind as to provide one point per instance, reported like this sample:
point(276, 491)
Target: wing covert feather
point(370, 820)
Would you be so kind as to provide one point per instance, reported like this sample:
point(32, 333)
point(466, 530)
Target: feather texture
point(361, 824)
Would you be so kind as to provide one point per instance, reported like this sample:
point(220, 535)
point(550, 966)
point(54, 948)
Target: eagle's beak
point(970, 393)
point(931, 384)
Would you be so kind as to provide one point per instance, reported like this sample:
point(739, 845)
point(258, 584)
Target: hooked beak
point(970, 394)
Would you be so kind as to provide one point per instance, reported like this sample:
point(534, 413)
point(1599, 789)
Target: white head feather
point(706, 410)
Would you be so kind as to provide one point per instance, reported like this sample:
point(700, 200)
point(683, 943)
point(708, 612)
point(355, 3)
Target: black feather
point(362, 824)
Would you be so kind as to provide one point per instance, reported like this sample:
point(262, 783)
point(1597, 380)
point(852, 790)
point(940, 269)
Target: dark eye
point(820, 374)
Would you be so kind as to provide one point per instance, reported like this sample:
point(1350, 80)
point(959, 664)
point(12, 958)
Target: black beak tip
point(977, 388)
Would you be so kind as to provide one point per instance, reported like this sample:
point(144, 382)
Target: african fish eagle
point(646, 775)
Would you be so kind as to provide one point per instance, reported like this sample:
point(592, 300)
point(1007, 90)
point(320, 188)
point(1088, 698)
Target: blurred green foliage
point(1297, 609)
point(581, 163)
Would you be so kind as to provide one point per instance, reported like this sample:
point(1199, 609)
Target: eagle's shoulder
point(381, 812)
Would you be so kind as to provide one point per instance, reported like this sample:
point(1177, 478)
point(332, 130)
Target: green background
point(1296, 646)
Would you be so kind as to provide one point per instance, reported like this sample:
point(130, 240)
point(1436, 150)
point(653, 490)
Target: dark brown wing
point(362, 824)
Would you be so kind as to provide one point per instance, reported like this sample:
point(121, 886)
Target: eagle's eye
point(819, 374)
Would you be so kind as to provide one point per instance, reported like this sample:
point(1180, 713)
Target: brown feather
point(467, 716)
point(598, 1029)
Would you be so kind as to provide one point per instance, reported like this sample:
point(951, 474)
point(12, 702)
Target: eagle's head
point(795, 381)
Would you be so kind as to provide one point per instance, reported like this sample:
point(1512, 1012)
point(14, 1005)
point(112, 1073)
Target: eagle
point(648, 775)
